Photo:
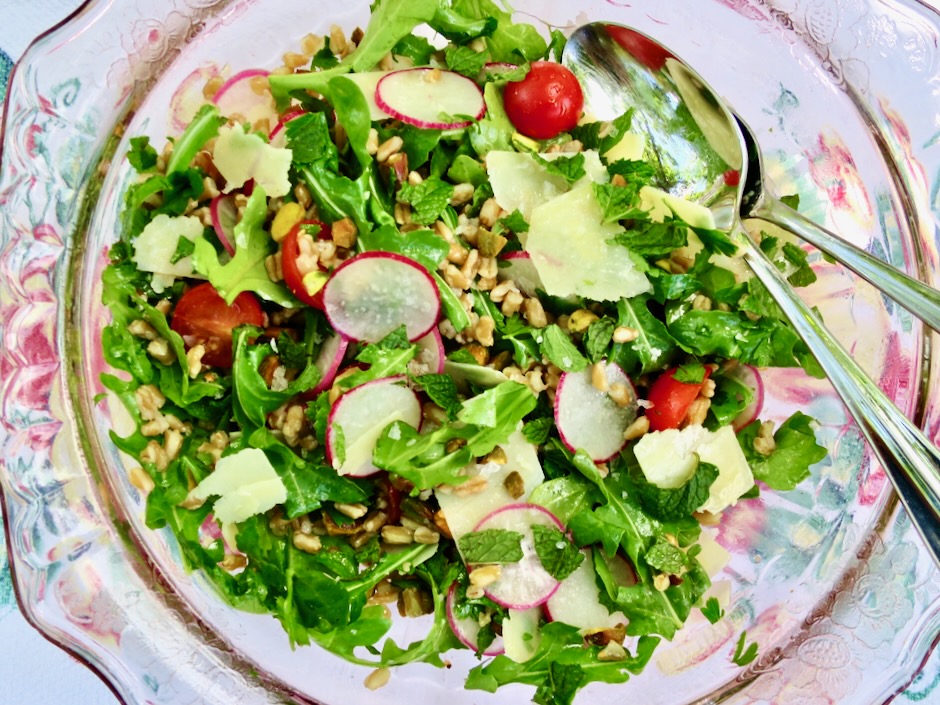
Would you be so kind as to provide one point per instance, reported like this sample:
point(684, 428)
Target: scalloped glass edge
point(59, 524)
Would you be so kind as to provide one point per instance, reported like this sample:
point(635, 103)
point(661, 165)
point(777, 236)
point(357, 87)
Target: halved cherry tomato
point(203, 317)
point(292, 263)
point(671, 399)
point(547, 102)
point(652, 55)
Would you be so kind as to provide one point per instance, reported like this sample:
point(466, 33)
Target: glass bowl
point(830, 579)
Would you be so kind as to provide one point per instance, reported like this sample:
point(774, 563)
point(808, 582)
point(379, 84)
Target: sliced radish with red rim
point(430, 98)
point(374, 293)
point(358, 418)
point(525, 583)
point(588, 418)
point(518, 267)
point(577, 600)
point(278, 135)
point(224, 218)
point(430, 357)
point(329, 360)
point(238, 96)
point(750, 377)
point(467, 629)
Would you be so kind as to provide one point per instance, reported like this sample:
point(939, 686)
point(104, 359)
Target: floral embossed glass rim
point(828, 579)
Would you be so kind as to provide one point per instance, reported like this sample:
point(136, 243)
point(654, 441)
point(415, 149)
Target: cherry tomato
point(671, 400)
point(647, 52)
point(547, 102)
point(292, 264)
point(203, 317)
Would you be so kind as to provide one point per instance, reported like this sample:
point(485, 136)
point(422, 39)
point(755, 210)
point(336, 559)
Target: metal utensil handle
point(910, 460)
point(918, 298)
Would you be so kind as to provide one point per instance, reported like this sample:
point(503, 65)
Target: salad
point(400, 326)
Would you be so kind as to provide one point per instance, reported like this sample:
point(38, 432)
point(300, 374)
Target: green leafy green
point(324, 58)
point(204, 126)
point(744, 653)
point(142, 156)
point(558, 556)
point(464, 60)
point(184, 248)
point(428, 199)
point(678, 503)
point(491, 546)
point(569, 168)
point(712, 610)
point(666, 558)
point(795, 451)
point(442, 390)
point(558, 348)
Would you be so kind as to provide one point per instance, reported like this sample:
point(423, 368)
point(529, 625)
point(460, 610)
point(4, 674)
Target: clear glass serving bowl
point(830, 579)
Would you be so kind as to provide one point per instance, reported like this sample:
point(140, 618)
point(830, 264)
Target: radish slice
point(358, 418)
point(278, 136)
point(370, 295)
point(430, 98)
point(577, 601)
point(750, 378)
point(467, 629)
point(518, 267)
point(590, 419)
point(431, 355)
point(525, 583)
point(328, 361)
point(224, 218)
point(238, 97)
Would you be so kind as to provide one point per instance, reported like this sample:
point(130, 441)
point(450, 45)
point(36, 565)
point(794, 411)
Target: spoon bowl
point(701, 154)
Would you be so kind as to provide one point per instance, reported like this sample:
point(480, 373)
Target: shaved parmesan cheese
point(521, 183)
point(155, 246)
point(245, 483)
point(669, 458)
point(630, 147)
point(463, 513)
point(240, 156)
point(568, 244)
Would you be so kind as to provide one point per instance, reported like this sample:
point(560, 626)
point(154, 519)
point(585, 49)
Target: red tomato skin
point(671, 400)
point(202, 317)
point(290, 251)
point(547, 102)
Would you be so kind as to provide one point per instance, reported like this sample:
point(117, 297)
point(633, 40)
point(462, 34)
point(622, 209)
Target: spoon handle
point(918, 298)
point(911, 461)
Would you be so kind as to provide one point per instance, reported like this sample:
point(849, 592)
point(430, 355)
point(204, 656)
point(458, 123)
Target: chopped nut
point(372, 143)
point(708, 388)
point(292, 60)
point(483, 331)
point(440, 521)
point(701, 303)
point(389, 147)
point(212, 87)
point(233, 561)
point(159, 349)
point(698, 410)
point(375, 522)
point(311, 44)
point(480, 354)
point(485, 575)
point(621, 395)
point(599, 377)
point(194, 360)
point(426, 536)
point(379, 678)
point(306, 542)
point(344, 233)
point(624, 334)
point(637, 429)
point(155, 427)
point(432, 76)
point(353, 511)
point(149, 400)
point(338, 42)
point(489, 213)
point(384, 593)
point(514, 484)
point(142, 329)
point(462, 194)
point(612, 652)
point(764, 442)
point(534, 313)
point(475, 484)
point(140, 479)
point(661, 582)
point(397, 535)
point(172, 443)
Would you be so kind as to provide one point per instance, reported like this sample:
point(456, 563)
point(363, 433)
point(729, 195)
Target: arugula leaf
point(451, 305)
point(558, 556)
point(693, 373)
point(494, 131)
point(464, 60)
point(184, 248)
point(569, 168)
point(565, 496)
point(712, 610)
point(423, 245)
point(416, 48)
point(142, 156)
point(246, 270)
point(204, 126)
point(744, 655)
point(388, 357)
point(789, 463)
point(428, 199)
point(506, 40)
point(491, 546)
point(653, 347)
point(442, 390)
point(558, 348)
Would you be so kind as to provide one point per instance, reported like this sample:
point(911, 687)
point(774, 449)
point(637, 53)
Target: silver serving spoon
point(700, 154)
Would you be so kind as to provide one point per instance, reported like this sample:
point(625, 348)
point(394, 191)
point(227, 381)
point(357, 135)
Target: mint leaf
point(557, 554)
point(563, 682)
point(291, 353)
point(464, 60)
point(416, 48)
point(597, 338)
point(184, 248)
point(491, 546)
point(678, 503)
point(618, 203)
point(428, 199)
point(141, 155)
point(514, 222)
point(537, 431)
point(796, 450)
point(569, 168)
point(442, 390)
point(744, 655)
point(666, 558)
point(712, 610)
point(558, 348)
point(309, 139)
point(653, 239)
point(690, 374)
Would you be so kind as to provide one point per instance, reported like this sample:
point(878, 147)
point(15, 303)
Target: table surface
point(26, 658)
